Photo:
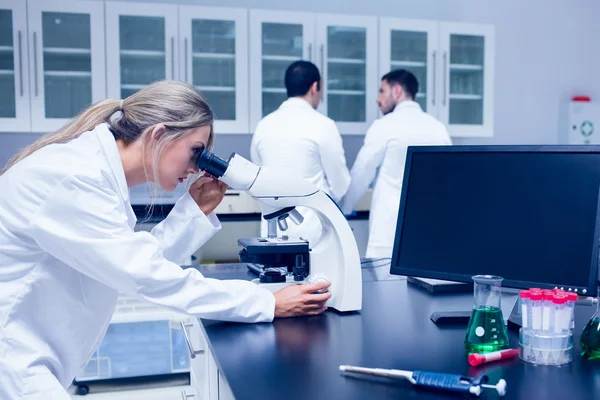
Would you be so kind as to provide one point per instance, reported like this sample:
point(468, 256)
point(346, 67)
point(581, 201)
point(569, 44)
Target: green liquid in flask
point(486, 331)
point(590, 339)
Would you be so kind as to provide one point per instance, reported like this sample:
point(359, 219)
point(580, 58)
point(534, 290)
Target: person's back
point(298, 140)
point(383, 157)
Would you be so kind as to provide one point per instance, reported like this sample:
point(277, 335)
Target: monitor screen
point(526, 213)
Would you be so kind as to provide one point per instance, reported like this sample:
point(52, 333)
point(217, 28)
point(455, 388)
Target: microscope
point(333, 257)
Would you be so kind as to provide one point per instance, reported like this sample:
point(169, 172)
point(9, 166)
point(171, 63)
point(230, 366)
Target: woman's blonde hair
point(177, 105)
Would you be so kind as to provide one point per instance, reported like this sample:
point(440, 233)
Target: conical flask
point(590, 337)
point(486, 331)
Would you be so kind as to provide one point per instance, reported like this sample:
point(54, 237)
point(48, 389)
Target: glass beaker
point(590, 337)
point(486, 331)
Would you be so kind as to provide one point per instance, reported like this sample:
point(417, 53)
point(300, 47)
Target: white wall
point(546, 51)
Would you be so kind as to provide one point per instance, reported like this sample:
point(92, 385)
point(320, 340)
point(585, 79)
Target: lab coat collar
point(109, 145)
point(295, 102)
point(407, 104)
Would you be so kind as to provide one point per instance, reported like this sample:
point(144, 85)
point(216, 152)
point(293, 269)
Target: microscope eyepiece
point(209, 162)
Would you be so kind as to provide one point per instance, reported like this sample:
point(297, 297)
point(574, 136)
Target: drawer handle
point(193, 352)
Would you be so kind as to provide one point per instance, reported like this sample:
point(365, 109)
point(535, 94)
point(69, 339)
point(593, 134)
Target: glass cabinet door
point(468, 78)
point(346, 60)
point(142, 52)
point(67, 60)
point(14, 95)
point(347, 51)
point(411, 45)
point(140, 46)
point(466, 70)
point(215, 61)
point(67, 63)
point(277, 39)
point(282, 44)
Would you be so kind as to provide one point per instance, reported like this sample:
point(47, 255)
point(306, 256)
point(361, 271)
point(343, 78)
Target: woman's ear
point(157, 132)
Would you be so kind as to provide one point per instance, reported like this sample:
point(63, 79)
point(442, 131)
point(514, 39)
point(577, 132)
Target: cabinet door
point(215, 60)
point(347, 48)
point(467, 75)
point(14, 83)
point(411, 45)
point(67, 62)
point(140, 46)
point(277, 39)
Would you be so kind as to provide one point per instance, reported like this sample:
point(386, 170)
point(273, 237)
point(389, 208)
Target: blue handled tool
point(435, 380)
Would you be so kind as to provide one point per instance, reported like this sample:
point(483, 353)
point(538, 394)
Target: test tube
point(571, 305)
point(535, 299)
point(525, 309)
point(547, 311)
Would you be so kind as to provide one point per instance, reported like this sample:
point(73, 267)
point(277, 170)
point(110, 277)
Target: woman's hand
point(208, 192)
point(296, 300)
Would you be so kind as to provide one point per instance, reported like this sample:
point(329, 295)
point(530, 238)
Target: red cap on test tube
point(524, 294)
point(535, 289)
point(560, 299)
point(536, 296)
point(572, 296)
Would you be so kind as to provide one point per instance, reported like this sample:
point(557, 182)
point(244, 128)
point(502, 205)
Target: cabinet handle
point(35, 68)
point(20, 63)
point(445, 77)
point(310, 52)
point(322, 59)
point(185, 56)
point(185, 396)
point(434, 57)
point(193, 352)
point(173, 57)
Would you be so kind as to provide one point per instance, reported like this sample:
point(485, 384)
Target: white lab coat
point(298, 140)
point(69, 248)
point(382, 159)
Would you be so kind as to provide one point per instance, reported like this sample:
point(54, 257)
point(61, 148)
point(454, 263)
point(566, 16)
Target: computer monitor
point(526, 213)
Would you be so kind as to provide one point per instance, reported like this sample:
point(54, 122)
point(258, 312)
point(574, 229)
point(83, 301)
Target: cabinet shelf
point(6, 48)
point(280, 58)
point(142, 53)
point(466, 67)
point(347, 92)
point(346, 60)
point(465, 97)
point(66, 50)
point(133, 86)
point(216, 88)
point(408, 64)
point(274, 90)
point(228, 56)
point(68, 74)
point(6, 72)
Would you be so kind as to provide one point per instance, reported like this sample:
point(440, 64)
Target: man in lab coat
point(382, 157)
point(301, 141)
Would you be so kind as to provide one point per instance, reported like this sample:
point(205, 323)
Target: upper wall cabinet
point(344, 48)
point(454, 66)
point(276, 40)
point(140, 46)
point(14, 78)
point(214, 58)
point(66, 60)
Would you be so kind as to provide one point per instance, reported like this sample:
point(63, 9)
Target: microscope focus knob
point(317, 279)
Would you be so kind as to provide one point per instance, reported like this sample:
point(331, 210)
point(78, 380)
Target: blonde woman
point(67, 244)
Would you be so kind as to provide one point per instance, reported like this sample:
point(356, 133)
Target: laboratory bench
point(299, 358)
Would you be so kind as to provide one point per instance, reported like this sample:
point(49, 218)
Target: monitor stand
point(440, 286)
point(509, 306)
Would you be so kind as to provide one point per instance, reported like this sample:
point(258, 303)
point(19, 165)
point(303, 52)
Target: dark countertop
point(298, 358)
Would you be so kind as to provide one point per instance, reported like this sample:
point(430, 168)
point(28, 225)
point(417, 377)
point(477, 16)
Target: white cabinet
point(344, 48)
point(140, 46)
point(276, 40)
point(66, 60)
point(454, 66)
point(14, 80)
point(215, 60)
